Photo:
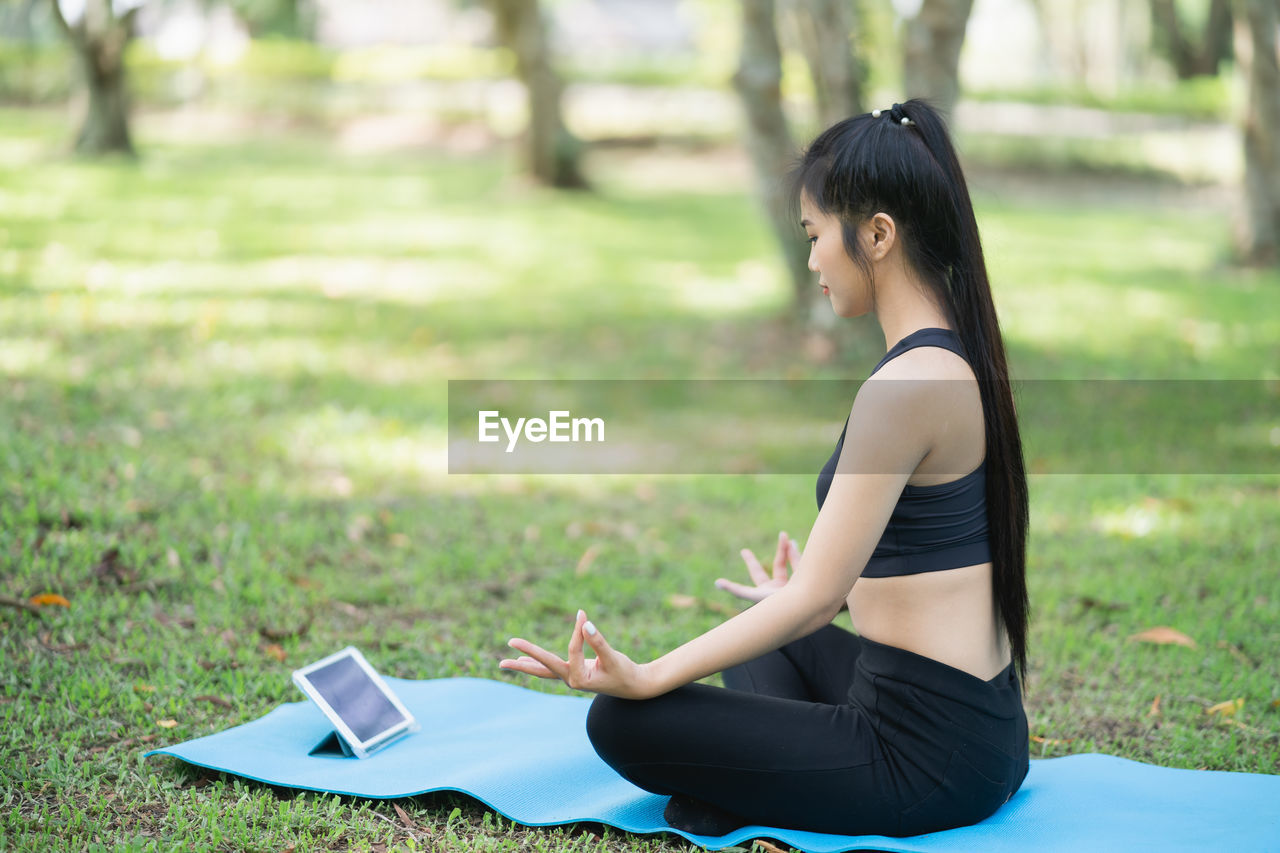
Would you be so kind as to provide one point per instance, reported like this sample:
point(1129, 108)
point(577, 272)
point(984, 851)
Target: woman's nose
point(813, 266)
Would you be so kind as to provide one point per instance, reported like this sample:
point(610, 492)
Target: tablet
point(365, 713)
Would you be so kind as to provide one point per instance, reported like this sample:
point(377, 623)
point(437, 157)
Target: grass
point(225, 371)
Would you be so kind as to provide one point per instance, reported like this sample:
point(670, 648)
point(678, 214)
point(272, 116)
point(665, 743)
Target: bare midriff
point(946, 615)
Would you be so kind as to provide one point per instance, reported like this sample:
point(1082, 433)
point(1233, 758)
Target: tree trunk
point(931, 52)
point(1258, 237)
point(99, 39)
point(1217, 38)
point(823, 29)
point(552, 153)
point(758, 82)
point(1192, 59)
point(1170, 40)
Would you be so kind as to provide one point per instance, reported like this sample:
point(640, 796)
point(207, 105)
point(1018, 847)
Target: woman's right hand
point(765, 586)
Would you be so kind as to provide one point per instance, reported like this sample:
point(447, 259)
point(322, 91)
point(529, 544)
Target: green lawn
point(225, 371)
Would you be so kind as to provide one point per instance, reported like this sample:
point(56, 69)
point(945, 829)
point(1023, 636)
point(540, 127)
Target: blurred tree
point(99, 35)
point(931, 52)
point(1258, 238)
point(758, 82)
point(1192, 58)
point(824, 29)
point(552, 153)
point(288, 18)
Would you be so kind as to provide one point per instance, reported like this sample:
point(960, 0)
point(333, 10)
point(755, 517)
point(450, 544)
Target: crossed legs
point(779, 745)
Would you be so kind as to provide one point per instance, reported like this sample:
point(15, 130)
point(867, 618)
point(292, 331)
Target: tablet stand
point(332, 744)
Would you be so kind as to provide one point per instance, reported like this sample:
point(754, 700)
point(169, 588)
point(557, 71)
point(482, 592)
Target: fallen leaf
point(1039, 739)
point(399, 540)
point(680, 600)
point(767, 846)
point(1163, 634)
point(214, 700)
point(588, 557)
point(143, 688)
point(111, 569)
point(1275, 703)
point(166, 724)
point(1236, 652)
point(1088, 601)
point(275, 651)
point(404, 817)
point(1155, 707)
point(1226, 708)
point(48, 599)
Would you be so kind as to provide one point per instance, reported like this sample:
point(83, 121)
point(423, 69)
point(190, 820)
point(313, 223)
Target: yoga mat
point(526, 755)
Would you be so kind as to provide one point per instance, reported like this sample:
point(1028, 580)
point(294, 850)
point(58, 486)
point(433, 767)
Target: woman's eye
point(812, 240)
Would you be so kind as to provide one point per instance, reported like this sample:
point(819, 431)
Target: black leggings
point(830, 733)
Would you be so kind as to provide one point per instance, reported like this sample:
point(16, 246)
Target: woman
point(915, 723)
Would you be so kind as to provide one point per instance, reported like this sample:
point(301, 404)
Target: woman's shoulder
point(925, 362)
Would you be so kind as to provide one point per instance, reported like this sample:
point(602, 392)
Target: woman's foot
point(701, 818)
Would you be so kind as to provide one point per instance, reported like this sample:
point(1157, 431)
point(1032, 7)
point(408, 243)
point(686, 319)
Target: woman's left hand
point(610, 672)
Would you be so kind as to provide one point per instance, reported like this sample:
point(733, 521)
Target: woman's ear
point(882, 234)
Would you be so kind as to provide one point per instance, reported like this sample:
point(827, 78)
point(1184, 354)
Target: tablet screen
point(356, 699)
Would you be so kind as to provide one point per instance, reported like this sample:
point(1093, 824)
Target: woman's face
point(839, 276)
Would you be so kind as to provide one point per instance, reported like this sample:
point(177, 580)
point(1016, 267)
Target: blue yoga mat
point(526, 755)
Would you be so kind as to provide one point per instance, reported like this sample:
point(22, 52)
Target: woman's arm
point(886, 438)
point(775, 621)
point(888, 435)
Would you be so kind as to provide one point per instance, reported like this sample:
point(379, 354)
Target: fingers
point(557, 667)
point(596, 640)
point(753, 567)
point(750, 593)
point(576, 666)
point(780, 557)
point(794, 550)
point(528, 666)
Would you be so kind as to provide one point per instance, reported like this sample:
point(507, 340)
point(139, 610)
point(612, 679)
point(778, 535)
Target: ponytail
point(865, 164)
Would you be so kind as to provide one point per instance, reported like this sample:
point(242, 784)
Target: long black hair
point(865, 164)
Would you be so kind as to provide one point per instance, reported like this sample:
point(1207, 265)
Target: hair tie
point(896, 113)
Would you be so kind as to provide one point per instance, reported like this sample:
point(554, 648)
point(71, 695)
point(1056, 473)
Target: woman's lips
point(824, 289)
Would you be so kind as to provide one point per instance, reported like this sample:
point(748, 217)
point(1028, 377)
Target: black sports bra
point(936, 527)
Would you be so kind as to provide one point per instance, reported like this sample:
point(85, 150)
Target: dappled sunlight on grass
point(24, 354)
point(340, 452)
point(754, 286)
point(406, 281)
point(1138, 519)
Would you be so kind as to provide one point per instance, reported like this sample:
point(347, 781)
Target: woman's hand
point(788, 551)
point(609, 671)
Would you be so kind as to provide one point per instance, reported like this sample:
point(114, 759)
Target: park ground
point(225, 378)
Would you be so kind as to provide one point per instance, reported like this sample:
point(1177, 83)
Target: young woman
point(914, 723)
